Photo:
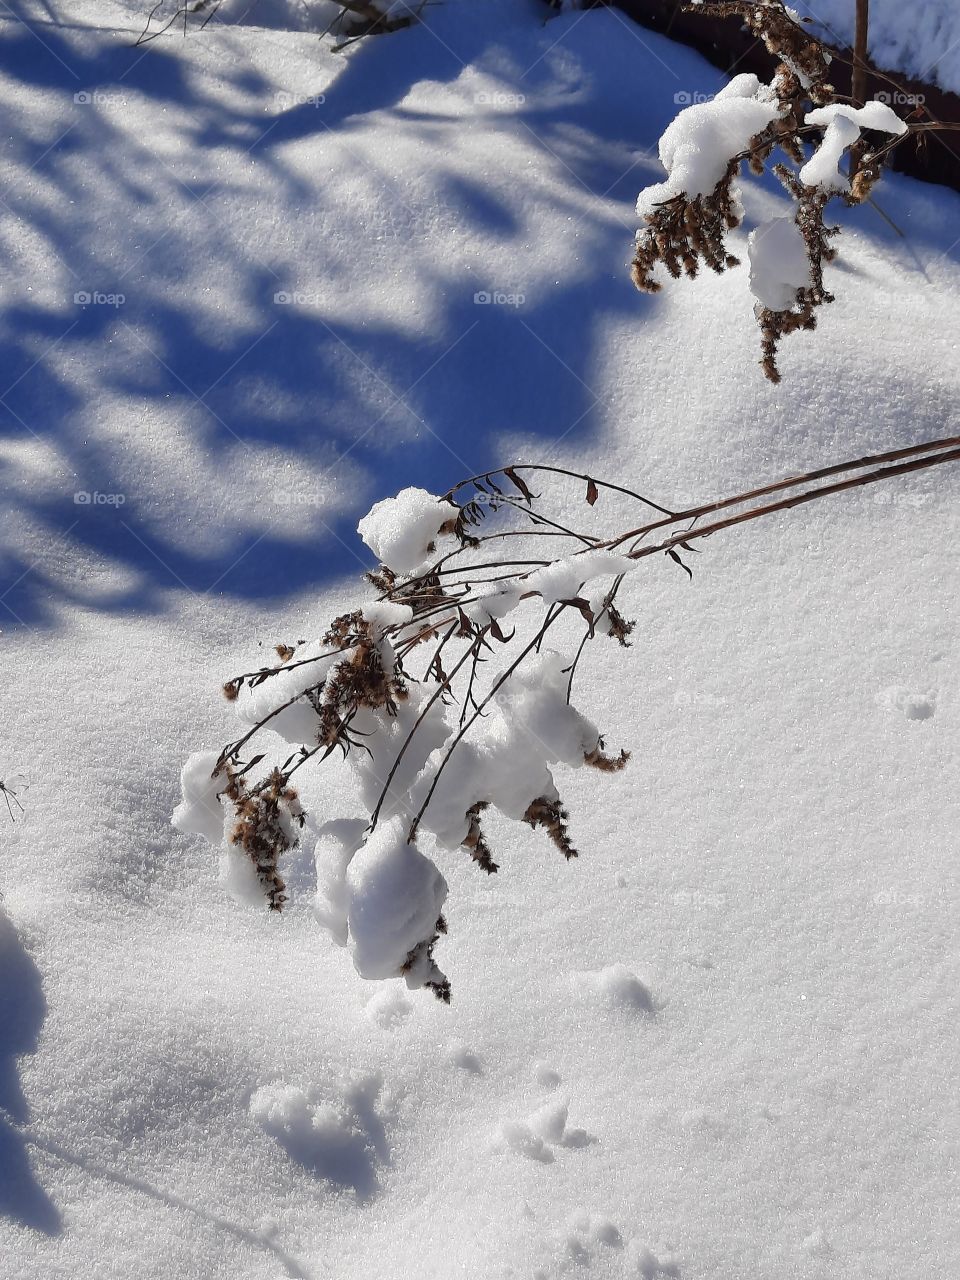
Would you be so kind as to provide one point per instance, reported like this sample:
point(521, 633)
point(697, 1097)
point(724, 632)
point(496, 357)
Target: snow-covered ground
point(721, 1044)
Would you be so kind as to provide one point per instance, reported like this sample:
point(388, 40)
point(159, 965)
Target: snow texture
point(921, 40)
point(784, 837)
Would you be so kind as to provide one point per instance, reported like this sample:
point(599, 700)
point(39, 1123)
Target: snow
point(401, 531)
point(292, 716)
point(564, 579)
point(394, 898)
point(200, 810)
point(779, 265)
point(528, 728)
point(776, 865)
point(622, 987)
point(922, 41)
point(701, 141)
point(334, 845)
point(843, 126)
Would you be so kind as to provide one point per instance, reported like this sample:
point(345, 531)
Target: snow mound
point(338, 1138)
point(534, 1137)
point(389, 1008)
point(619, 985)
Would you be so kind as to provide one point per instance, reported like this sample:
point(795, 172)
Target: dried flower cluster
point(268, 820)
point(687, 228)
point(444, 698)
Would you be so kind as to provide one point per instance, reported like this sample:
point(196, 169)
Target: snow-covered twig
point(687, 218)
point(437, 728)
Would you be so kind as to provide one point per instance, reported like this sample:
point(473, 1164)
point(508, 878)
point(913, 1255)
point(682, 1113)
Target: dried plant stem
point(945, 449)
point(858, 88)
point(796, 500)
point(448, 631)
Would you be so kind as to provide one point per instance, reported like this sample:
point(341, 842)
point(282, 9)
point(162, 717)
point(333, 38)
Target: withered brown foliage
point(553, 818)
point(268, 817)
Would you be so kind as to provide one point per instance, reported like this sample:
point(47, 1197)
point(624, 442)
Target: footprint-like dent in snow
point(389, 1008)
point(342, 1139)
point(651, 1266)
point(620, 986)
point(596, 1229)
point(544, 1129)
point(517, 1137)
point(914, 706)
point(465, 1059)
point(545, 1075)
point(591, 1240)
point(817, 1244)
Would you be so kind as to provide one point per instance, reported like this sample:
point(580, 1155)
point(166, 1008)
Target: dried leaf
point(583, 607)
point(686, 569)
point(519, 482)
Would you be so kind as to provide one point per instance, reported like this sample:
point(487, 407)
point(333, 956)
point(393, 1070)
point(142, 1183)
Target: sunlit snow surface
point(721, 1044)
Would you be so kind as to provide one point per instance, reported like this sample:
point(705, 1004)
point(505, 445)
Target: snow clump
point(200, 812)
point(700, 142)
point(401, 531)
point(394, 899)
point(843, 126)
point(779, 264)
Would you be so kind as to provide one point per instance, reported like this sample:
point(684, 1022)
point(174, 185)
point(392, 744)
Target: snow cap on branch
point(563, 579)
point(699, 144)
point(394, 899)
point(843, 125)
point(401, 531)
point(779, 263)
